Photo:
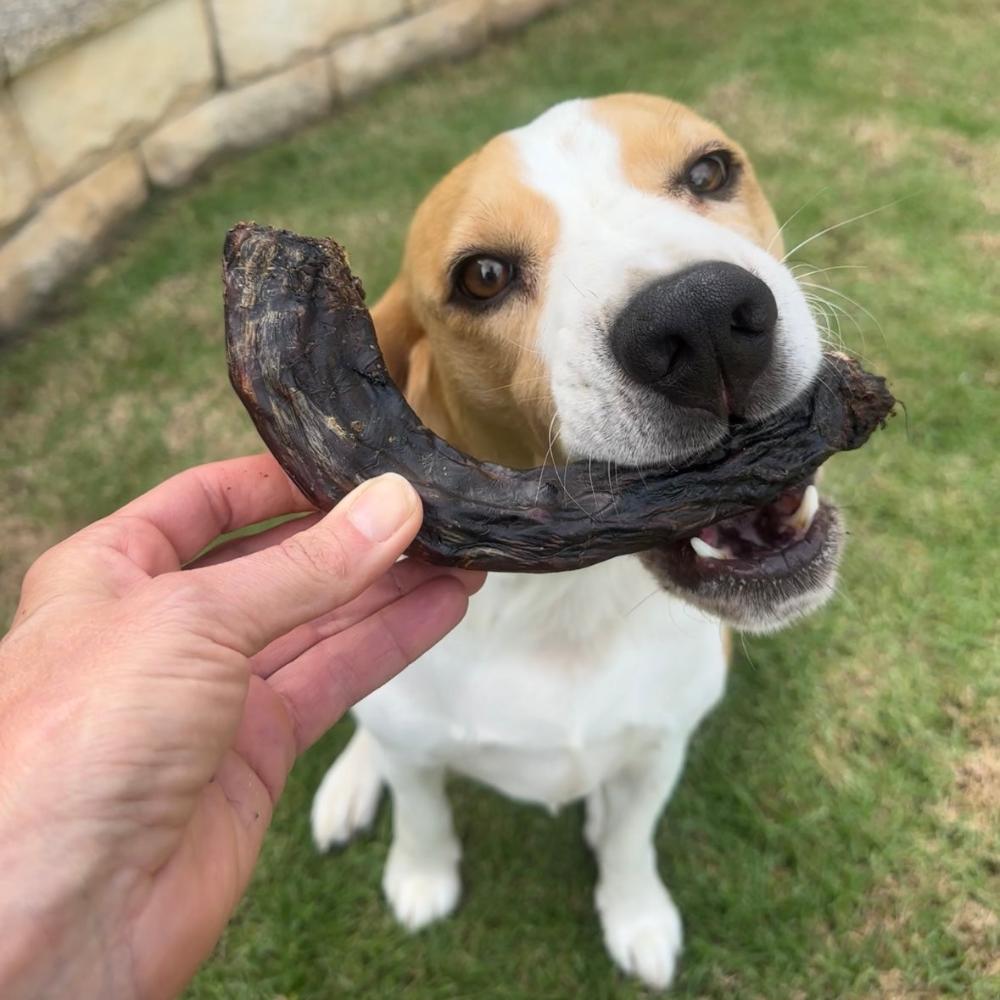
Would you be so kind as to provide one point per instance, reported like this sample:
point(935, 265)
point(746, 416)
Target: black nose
point(700, 337)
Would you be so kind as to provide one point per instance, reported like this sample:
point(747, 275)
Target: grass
point(835, 834)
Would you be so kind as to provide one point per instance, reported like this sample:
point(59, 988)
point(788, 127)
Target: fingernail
point(380, 507)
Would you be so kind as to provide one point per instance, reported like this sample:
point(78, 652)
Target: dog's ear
point(408, 356)
point(398, 331)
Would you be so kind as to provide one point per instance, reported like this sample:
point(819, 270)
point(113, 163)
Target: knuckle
point(323, 556)
point(37, 573)
point(45, 569)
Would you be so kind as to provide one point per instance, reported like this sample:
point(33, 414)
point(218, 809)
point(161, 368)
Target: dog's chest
point(553, 683)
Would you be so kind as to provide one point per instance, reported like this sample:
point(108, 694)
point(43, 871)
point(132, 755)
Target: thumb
point(266, 594)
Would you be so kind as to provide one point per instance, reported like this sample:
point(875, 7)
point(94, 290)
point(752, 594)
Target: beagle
point(604, 283)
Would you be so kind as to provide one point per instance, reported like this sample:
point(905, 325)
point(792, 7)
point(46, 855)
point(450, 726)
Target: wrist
point(57, 906)
point(53, 944)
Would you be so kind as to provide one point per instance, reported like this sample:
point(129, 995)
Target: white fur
point(577, 685)
point(585, 684)
point(613, 239)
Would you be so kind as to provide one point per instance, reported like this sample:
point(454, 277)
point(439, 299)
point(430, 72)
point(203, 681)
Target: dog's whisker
point(611, 487)
point(804, 205)
point(635, 607)
point(821, 270)
point(828, 313)
point(534, 399)
point(541, 468)
point(815, 301)
point(510, 385)
point(853, 302)
point(839, 310)
point(590, 476)
point(846, 222)
point(572, 498)
point(555, 468)
point(578, 290)
point(518, 345)
point(746, 652)
point(836, 310)
point(822, 316)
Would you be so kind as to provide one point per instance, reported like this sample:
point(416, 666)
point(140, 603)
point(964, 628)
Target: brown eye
point(709, 174)
point(483, 277)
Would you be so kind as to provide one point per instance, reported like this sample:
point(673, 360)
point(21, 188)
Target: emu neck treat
point(304, 360)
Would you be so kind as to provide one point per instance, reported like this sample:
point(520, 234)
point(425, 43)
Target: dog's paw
point(643, 935)
point(421, 890)
point(347, 798)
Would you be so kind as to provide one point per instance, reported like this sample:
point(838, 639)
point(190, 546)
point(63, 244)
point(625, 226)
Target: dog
point(606, 284)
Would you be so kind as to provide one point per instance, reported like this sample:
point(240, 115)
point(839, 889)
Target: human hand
point(149, 714)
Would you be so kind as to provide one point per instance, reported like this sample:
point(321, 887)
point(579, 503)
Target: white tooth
point(803, 517)
point(707, 551)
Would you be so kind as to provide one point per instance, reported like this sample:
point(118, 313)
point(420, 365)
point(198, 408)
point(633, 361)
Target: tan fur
point(658, 137)
point(476, 379)
point(473, 378)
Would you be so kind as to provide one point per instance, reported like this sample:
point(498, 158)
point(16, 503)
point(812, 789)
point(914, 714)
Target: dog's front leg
point(421, 878)
point(642, 928)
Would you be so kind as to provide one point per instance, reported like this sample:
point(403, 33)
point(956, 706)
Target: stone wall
point(103, 99)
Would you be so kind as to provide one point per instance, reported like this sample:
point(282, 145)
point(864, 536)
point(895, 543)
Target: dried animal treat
point(305, 362)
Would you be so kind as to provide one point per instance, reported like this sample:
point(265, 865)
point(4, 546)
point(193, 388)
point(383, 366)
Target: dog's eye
point(483, 277)
point(709, 174)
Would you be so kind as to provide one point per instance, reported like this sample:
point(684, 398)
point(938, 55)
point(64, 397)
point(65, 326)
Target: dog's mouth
point(761, 569)
point(777, 539)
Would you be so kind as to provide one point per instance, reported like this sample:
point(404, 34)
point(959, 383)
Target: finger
point(191, 509)
point(402, 578)
point(236, 548)
point(255, 599)
point(323, 683)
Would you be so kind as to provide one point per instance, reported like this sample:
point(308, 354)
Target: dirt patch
point(883, 141)
point(892, 985)
point(974, 160)
point(210, 424)
point(737, 106)
point(977, 788)
point(977, 928)
point(974, 798)
point(985, 241)
point(893, 915)
point(886, 912)
point(188, 298)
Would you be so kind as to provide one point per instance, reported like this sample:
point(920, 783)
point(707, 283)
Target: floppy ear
point(397, 330)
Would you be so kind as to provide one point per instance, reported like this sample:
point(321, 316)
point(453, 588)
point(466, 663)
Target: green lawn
point(836, 832)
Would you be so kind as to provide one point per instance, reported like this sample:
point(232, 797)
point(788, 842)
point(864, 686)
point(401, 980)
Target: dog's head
point(606, 284)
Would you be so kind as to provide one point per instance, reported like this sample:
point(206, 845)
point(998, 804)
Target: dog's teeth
point(803, 517)
point(707, 551)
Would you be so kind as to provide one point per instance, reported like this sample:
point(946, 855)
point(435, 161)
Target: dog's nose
point(700, 337)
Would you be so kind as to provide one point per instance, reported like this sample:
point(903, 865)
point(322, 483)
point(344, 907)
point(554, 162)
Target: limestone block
point(113, 87)
point(506, 15)
point(237, 119)
point(18, 178)
point(63, 234)
point(451, 29)
point(34, 29)
point(257, 36)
